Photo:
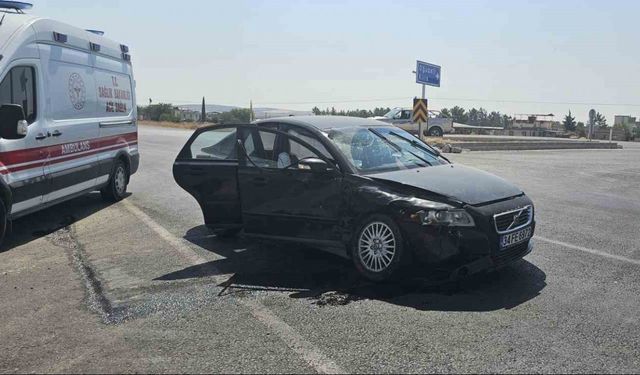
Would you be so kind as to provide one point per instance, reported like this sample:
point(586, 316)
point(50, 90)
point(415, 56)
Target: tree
point(459, 115)
point(154, 111)
point(569, 123)
point(236, 115)
point(473, 117)
point(316, 111)
point(203, 115)
point(445, 112)
point(581, 129)
point(381, 111)
point(506, 121)
point(483, 117)
point(600, 120)
point(494, 119)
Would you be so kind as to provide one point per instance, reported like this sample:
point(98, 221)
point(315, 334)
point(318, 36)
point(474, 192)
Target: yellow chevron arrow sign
point(420, 111)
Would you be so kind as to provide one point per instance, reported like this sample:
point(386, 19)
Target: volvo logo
point(516, 218)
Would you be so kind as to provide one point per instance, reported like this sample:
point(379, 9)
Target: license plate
point(515, 238)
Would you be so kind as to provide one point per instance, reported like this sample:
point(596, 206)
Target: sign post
point(426, 74)
point(420, 112)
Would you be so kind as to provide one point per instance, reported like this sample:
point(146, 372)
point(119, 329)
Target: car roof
point(325, 122)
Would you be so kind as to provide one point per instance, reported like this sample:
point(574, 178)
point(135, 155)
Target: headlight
point(449, 217)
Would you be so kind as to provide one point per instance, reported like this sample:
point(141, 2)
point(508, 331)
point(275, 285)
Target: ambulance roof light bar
point(18, 6)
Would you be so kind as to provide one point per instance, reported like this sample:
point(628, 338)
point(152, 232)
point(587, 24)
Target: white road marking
point(177, 243)
point(590, 251)
point(309, 352)
point(293, 339)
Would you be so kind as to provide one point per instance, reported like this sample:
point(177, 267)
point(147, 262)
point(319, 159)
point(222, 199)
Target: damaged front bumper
point(494, 261)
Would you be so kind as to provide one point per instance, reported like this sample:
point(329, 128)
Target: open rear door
point(207, 169)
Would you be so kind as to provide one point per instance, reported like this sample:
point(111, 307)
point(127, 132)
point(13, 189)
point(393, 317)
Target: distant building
point(627, 121)
point(190, 116)
point(618, 134)
point(535, 125)
point(186, 115)
point(212, 116)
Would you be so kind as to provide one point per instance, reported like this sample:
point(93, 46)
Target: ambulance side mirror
point(13, 123)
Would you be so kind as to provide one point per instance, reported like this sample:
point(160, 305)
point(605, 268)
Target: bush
point(166, 117)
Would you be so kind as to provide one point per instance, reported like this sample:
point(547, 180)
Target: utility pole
point(592, 122)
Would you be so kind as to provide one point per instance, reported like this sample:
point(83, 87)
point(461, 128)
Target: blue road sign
point(428, 74)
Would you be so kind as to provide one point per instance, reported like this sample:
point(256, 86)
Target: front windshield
point(380, 149)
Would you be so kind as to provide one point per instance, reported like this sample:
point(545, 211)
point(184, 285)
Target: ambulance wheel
point(117, 187)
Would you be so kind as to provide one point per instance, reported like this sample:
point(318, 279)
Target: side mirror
point(13, 123)
point(315, 165)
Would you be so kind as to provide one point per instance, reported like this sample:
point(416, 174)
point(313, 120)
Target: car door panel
point(207, 169)
point(289, 203)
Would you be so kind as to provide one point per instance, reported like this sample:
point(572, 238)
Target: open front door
point(207, 169)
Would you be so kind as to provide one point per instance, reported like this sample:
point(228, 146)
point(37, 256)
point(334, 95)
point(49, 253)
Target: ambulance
point(67, 114)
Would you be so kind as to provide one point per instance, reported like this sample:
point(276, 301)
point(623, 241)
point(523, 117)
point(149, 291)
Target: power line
point(460, 100)
point(396, 99)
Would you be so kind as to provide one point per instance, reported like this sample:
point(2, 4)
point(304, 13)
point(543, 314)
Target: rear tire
point(378, 250)
point(117, 187)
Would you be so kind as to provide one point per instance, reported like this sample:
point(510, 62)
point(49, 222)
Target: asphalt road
point(140, 286)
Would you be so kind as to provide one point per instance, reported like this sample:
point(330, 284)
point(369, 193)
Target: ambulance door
point(72, 123)
point(116, 111)
point(22, 159)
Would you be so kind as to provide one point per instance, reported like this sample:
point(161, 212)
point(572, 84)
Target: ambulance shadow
point(325, 279)
point(48, 221)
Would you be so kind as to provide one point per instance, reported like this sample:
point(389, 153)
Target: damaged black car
point(359, 188)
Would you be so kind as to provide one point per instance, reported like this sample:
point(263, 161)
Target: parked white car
point(402, 118)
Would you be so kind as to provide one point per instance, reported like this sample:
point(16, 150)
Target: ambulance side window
point(19, 87)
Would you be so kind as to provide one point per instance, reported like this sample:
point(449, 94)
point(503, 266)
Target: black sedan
point(359, 188)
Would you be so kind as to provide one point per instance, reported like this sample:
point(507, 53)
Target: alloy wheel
point(376, 247)
point(120, 180)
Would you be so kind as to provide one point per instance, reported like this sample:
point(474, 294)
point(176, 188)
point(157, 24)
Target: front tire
point(117, 187)
point(378, 249)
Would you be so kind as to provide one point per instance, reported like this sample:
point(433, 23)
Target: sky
point(511, 56)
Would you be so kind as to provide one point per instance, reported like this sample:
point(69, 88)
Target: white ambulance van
point(67, 114)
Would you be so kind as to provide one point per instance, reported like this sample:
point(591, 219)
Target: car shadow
point(43, 223)
point(325, 279)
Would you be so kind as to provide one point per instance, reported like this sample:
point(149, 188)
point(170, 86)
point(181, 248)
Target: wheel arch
point(126, 159)
point(427, 132)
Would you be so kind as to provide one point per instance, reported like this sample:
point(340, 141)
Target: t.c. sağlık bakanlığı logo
point(77, 91)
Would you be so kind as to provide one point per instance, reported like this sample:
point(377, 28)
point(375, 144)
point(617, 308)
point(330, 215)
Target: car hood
point(458, 182)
